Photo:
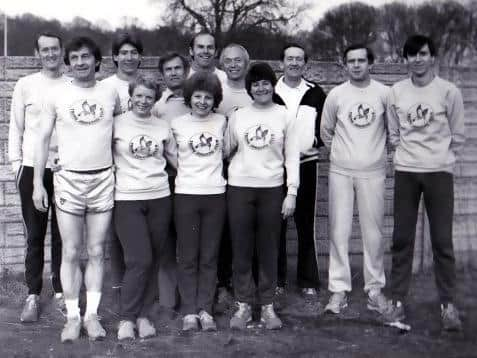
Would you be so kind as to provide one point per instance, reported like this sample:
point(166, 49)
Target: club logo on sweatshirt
point(362, 115)
point(204, 144)
point(87, 111)
point(143, 146)
point(259, 137)
point(420, 115)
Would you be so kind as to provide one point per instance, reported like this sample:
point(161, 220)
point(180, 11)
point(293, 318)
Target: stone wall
point(328, 75)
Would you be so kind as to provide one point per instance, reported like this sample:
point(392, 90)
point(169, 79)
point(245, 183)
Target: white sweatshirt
point(200, 153)
point(169, 106)
point(353, 127)
point(84, 124)
point(233, 98)
point(122, 88)
point(140, 149)
point(426, 125)
point(262, 143)
point(28, 99)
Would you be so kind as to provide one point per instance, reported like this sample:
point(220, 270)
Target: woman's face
point(262, 92)
point(142, 100)
point(201, 103)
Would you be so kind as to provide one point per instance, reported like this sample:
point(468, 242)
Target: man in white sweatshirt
point(27, 101)
point(426, 128)
point(82, 114)
point(353, 128)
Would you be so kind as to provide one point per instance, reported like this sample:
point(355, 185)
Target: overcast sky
point(147, 11)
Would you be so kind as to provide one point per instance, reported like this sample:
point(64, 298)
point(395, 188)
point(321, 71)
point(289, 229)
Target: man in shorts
point(82, 114)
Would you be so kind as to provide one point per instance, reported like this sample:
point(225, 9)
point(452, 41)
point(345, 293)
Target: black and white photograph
point(238, 178)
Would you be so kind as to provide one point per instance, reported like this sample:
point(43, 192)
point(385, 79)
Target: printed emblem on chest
point(204, 144)
point(420, 115)
point(87, 111)
point(259, 136)
point(143, 146)
point(362, 115)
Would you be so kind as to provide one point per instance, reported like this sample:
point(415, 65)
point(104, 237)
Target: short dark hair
point(147, 82)
point(82, 41)
point(259, 71)
point(125, 38)
point(359, 46)
point(203, 32)
point(47, 34)
point(415, 42)
point(170, 56)
point(203, 81)
point(293, 44)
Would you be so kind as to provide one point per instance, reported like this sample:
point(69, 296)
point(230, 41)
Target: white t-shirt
point(233, 98)
point(122, 88)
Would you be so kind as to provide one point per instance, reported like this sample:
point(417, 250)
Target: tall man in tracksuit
point(304, 101)
point(426, 128)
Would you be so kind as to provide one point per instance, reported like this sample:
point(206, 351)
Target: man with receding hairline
point(202, 50)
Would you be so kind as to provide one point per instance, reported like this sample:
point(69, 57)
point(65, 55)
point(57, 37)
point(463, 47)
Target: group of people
point(192, 185)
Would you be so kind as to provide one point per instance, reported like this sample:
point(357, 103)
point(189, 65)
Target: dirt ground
point(307, 331)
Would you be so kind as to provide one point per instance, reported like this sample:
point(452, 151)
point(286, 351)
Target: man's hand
point(288, 206)
point(40, 198)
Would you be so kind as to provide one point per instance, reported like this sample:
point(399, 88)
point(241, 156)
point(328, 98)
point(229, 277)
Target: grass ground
point(307, 331)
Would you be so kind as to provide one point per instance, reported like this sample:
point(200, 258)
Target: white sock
point(72, 308)
point(92, 303)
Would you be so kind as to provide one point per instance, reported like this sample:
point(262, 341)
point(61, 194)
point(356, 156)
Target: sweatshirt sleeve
point(319, 104)
point(455, 113)
point(17, 125)
point(292, 158)
point(328, 121)
point(392, 120)
point(230, 141)
point(170, 150)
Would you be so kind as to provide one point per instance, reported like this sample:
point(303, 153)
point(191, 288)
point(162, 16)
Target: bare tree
point(223, 17)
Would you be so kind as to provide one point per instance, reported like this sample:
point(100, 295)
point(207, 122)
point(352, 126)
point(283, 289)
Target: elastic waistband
point(95, 171)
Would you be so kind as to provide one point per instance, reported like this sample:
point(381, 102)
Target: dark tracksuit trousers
point(199, 221)
point(117, 259)
point(255, 221)
point(438, 191)
point(35, 229)
point(224, 266)
point(142, 227)
point(307, 266)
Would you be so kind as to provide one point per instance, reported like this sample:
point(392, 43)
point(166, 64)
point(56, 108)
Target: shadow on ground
point(307, 331)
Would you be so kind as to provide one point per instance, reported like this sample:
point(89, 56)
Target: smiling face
point(142, 100)
point(262, 92)
point(82, 63)
point(203, 51)
point(357, 65)
point(234, 63)
point(128, 59)
point(201, 103)
point(49, 52)
point(421, 63)
point(294, 62)
point(174, 73)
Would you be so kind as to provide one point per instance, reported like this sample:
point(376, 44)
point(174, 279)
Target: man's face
point(234, 63)
point(357, 64)
point(294, 62)
point(422, 62)
point(174, 73)
point(82, 63)
point(128, 59)
point(49, 52)
point(203, 51)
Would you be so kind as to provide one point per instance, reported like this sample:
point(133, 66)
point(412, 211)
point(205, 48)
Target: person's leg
point(439, 201)
point(241, 212)
point(158, 221)
point(370, 201)
point(407, 194)
point(35, 223)
point(131, 226)
point(55, 236)
point(224, 267)
point(341, 201)
point(282, 269)
point(268, 217)
point(187, 221)
point(305, 215)
point(116, 254)
point(213, 211)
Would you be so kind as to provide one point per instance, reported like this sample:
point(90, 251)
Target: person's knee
point(95, 252)
point(70, 253)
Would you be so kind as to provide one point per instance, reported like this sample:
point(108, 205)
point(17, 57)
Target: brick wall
point(12, 242)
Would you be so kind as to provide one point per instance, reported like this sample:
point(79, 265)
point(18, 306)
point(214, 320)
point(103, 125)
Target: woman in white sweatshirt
point(142, 211)
point(262, 144)
point(199, 200)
